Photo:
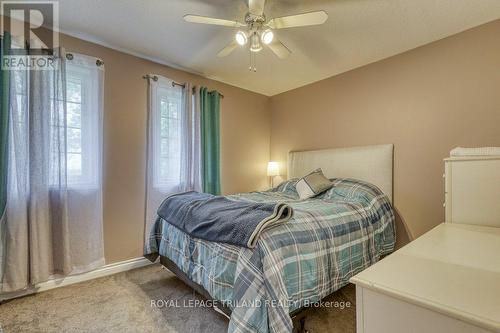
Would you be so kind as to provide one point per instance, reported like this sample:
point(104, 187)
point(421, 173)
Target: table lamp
point(273, 170)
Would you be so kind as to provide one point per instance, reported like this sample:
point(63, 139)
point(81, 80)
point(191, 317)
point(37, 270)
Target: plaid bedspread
point(330, 239)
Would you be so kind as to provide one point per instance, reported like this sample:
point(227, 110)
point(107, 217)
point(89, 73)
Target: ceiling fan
point(257, 31)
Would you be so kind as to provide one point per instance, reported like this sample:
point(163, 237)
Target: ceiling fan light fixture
point(241, 38)
point(267, 37)
point(257, 31)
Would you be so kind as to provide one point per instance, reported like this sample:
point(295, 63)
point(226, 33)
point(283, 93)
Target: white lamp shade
point(273, 169)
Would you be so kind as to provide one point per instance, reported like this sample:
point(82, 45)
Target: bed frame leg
point(302, 325)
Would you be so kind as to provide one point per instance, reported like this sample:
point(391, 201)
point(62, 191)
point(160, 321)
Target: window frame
point(89, 177)
point(165, 92)
point(90, 122)
point(89, 149)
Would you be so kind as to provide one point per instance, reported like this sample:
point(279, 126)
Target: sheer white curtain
point(190, 172)
point(53, 223)
point(84, 128)
point(174, 150)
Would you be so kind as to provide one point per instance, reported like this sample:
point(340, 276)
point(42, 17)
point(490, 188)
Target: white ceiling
point(357, 33)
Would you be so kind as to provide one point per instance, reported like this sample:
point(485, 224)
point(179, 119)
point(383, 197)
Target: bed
point(331, 238)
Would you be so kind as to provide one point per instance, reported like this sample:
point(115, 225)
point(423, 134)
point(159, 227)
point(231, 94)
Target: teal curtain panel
point(4, 121)
point(210, 140)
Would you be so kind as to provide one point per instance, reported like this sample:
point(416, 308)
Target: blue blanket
point(219, 219)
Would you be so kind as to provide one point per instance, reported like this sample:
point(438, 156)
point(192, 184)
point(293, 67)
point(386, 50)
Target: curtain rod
point(155, 78)
point(98, 61)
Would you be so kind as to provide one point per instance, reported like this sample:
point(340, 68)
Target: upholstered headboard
point(373, 164)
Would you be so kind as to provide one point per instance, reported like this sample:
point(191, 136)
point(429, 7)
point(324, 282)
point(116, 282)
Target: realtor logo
point(34, 27)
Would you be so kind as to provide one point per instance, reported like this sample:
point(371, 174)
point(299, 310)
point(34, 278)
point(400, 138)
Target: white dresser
point(447, 280)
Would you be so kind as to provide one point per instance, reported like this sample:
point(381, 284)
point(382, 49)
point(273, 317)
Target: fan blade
point(279, 49)
point(256, 7)
point(300, 20)
point(211, 20)
point(228, 49)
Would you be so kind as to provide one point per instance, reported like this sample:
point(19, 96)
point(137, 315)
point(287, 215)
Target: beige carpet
point(122, 303)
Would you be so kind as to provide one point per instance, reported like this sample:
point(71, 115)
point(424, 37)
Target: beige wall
point(425, 101)
point(245, 135)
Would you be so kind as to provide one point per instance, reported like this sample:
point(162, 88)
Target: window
point(167, 131)
point(82, 123)
point(173, 145)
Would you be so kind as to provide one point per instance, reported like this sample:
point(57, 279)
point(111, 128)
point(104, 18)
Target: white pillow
point(312, 184)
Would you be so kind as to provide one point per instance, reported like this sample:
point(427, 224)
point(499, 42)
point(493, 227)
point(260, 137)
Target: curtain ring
point(152, 77)
point(69, 56)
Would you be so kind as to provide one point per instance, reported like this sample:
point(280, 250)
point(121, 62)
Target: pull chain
point(250, 54)
point(253, 66)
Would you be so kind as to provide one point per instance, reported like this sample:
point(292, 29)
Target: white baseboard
point(105, 270)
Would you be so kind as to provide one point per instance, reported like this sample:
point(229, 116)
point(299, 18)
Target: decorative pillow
point(312, 184)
